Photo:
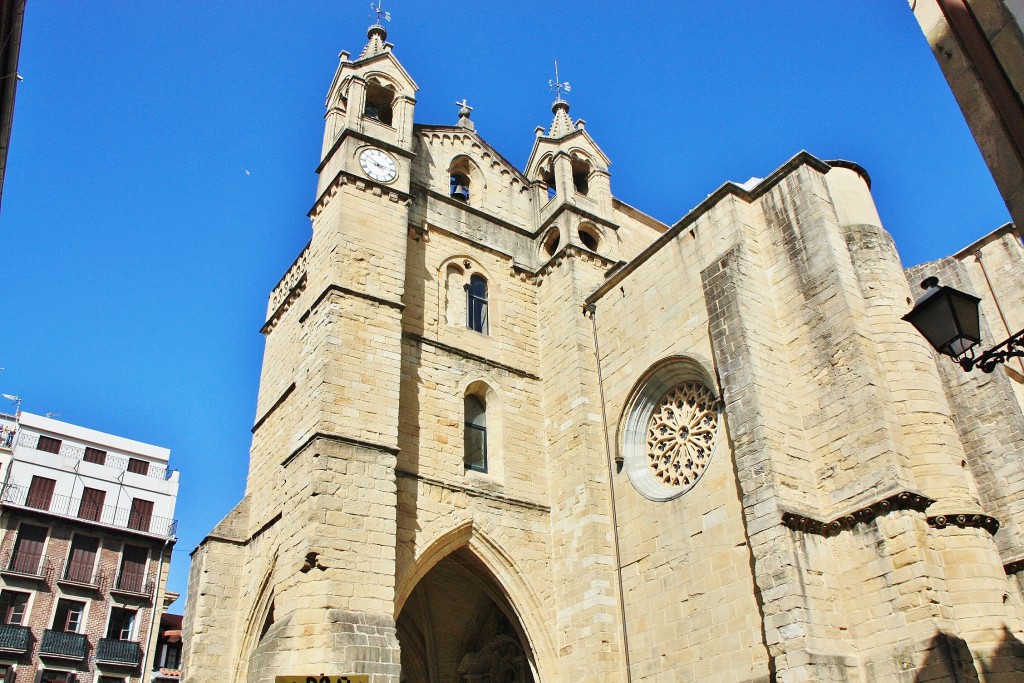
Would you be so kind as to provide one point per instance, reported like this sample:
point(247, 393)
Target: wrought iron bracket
point(1000, 353)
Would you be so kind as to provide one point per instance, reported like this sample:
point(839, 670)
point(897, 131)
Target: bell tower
point(310, 552)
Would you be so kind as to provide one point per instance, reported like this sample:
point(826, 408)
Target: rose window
point(681, 434)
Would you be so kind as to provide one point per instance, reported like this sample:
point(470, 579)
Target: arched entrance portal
point(458, 627)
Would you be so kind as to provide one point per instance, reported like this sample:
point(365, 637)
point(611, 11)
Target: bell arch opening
point(458, 625)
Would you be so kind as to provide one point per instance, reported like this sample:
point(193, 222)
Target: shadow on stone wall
point(949, 659)
point(1007, 664)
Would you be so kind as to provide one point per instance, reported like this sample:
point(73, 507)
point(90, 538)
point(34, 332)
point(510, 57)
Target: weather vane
point(381, 14)
point(558, 86)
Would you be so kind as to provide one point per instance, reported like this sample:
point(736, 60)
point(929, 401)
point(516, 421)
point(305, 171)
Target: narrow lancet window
point(475, 455)
point(476, 304)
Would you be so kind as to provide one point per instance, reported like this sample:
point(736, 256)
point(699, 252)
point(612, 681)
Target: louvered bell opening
point(459, 188)
point(371, 112)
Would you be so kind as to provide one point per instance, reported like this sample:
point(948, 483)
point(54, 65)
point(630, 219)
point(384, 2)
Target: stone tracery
point(681, 434)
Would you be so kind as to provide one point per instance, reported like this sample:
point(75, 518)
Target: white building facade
point(86, 533)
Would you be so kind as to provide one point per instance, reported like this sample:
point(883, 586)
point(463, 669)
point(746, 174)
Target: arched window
point(589, 236)
point(551, 242)
point(580, 175)
point(475, 451)
point(476, 304)
point(379, 101)
point(548, 178)
point(459, 187)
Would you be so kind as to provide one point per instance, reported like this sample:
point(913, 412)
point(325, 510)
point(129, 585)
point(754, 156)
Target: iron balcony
point(15, 638)
point(64, 645)
point(114, 651)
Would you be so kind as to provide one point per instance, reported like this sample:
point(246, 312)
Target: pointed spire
point(377, 34)
point(561, 125)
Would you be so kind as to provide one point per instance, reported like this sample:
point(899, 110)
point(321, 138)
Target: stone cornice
point(277, 404)
point(419, 339)
point(471, 491)
point(574, 208)
point(965, 520)
point(360, 183)
point(576, 250)
point(904, 500)
point(331, 289)
point(289, 298)
point(338, 438)
point(444, 199)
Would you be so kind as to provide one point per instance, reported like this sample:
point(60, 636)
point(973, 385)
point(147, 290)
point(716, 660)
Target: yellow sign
point(323, 678)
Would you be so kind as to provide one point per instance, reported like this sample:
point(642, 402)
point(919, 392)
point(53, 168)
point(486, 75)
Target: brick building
point(511, 429)
point(86, 534)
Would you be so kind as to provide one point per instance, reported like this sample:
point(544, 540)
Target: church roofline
point(976, 245)
point(802, 158)
point(421, 127)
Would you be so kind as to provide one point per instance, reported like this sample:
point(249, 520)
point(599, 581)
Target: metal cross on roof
point(464, 105)
point(380, 14)
point(558, 86)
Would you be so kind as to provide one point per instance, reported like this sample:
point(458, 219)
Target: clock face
point(378, 165)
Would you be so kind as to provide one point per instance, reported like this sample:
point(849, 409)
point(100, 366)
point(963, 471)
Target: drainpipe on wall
point(591, 311)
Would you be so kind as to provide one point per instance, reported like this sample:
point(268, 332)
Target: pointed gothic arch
point(476, 545)
point(256, 624)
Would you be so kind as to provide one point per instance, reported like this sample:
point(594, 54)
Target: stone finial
point(464, 113)
point(376, 34)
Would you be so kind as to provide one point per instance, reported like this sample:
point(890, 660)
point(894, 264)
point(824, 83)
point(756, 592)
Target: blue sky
point(138, 254)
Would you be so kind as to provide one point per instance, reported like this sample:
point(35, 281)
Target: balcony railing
point(113, 651)
point(15, 638)
point(83, 576)
point(74, 453)
point(134, 583)
point(26, 564)
point(64, 645)
point(110, 515)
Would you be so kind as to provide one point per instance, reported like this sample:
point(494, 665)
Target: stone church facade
point(511, 429)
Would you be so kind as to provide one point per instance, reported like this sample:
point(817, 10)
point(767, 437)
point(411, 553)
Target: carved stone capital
point(904, 500)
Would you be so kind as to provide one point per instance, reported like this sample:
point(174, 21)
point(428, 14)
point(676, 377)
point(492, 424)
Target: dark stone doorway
point(458, 627)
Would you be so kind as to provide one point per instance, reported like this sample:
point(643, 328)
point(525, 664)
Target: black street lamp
point(949, 320)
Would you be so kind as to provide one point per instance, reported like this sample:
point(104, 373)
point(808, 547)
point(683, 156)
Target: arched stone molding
point(487, 542)
point(552, 241)
point(591, 237)
point(453, 276)
point(543, 178)
point(253, 627)
point(466, 166)
point(644, 398)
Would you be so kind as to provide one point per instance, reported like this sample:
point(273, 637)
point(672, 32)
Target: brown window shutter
point(48, 444)
point(82, 560)
point(28, 549)
point(95, 455)
point(140, 515)
point(91, 506)
point(133, 568)
point(40, 493)
point(138, 466)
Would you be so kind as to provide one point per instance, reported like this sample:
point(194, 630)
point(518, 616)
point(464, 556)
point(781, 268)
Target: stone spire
point(377, 34)
point(561, 125)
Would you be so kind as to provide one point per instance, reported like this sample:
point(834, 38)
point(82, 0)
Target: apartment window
point(40, 493)
point(28, 549)
point(140, 515)
point(68, 617)
point(138, 466)
point(133, 569)
point(172, 656)
point(6, 673)
point(82, 559)
point(475, 446)
point(48, 444)
point(57, 677)
point(12, 608)
point(476, 304)
point(95, 455)
point(91, 507)
point(122, 624)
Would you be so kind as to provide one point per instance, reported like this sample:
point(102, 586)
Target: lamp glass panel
point(965, 307)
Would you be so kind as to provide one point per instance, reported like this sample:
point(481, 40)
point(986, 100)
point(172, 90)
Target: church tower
point(318, 517)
